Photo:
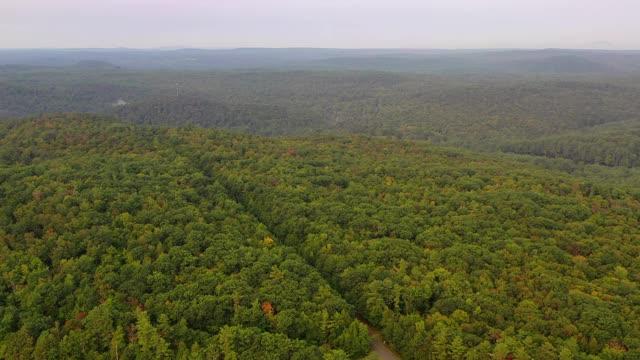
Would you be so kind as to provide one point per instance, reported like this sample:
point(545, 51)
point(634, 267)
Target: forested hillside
point(131, 241)
point(479, 111)
point(114, 245)
point(613, 145)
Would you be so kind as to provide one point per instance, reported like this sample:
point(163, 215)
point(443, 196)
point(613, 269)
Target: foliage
point(113, 242)
point(130, 241)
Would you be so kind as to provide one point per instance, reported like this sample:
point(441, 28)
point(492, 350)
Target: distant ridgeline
point(400, 60)
point(123, 241)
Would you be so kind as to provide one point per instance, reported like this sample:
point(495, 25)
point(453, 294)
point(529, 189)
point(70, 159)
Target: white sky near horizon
point(320, 23)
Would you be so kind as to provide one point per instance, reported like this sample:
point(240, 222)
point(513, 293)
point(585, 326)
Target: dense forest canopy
point(155, 242)
point(116, 245)
point(520, 111)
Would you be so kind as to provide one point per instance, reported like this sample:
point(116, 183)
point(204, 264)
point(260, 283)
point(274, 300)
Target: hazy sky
point(320, 23)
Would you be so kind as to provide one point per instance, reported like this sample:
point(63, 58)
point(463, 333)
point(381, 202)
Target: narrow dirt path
point(379, 347)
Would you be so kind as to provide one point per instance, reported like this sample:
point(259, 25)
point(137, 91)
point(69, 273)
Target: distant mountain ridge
point(408, 60)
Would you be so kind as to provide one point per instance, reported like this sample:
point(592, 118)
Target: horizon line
point(171, 48)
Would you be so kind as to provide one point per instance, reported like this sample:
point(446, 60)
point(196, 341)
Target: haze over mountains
point(406, 60)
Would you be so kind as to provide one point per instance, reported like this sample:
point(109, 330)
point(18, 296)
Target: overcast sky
point(320, 23)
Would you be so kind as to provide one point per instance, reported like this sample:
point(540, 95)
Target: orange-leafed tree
point(267, 308)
